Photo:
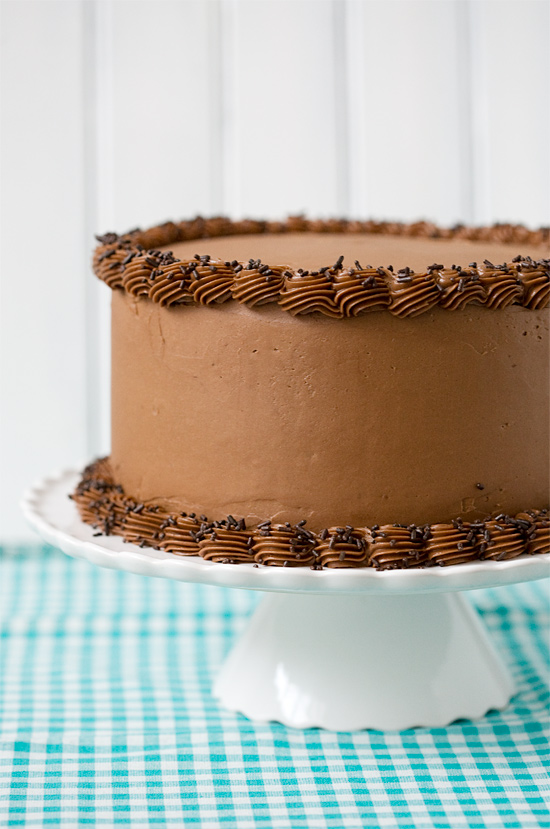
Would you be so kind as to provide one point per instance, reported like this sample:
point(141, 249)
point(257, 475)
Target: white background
point(117, 113)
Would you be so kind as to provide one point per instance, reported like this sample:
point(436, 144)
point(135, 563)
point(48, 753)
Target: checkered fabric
point(108, 719)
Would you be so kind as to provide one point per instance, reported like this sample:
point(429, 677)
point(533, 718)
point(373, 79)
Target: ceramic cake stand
point(338, 649)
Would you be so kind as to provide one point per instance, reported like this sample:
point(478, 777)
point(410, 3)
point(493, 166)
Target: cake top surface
point(337, 268)
point(312, 251)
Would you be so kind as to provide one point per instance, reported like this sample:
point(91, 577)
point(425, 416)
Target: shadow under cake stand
point(337, 649)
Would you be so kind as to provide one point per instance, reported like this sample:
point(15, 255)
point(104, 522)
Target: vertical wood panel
point(512, 61)
point(164, 67)
point(44, 264)
point(284, 129)
point(475, 113)
point(99, 107)
point(408, 119)
point(342, 105)
point(354, 60)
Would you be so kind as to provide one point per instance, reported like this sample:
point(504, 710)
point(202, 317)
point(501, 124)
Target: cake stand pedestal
point(350, 662)
point(337, 649)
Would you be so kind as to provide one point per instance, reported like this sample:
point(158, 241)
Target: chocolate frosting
point(265, 387)
point(305, 292)
point(458, 287)
point(103, 504)
point(535, 284)
point(178, 534)
point(139, 262)
point(282, 545)
point(502, 539)
point(536, 525)
point(229, 546)
point(342, 547)
point(358, 290)
point(396, 546)
point(369, 420)
point(454, 543)
point(258, 284)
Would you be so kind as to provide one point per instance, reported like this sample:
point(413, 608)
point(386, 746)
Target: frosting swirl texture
point(257, 283)
point(359, 290)
point(134, 262)
point(394, 546)
point(340, 547)
point(451, 543)
point(411, 293)
point(281, 545)
point(228, 546)
point(305, 292)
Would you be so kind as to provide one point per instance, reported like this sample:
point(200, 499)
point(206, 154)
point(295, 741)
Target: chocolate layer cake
point(339, 394)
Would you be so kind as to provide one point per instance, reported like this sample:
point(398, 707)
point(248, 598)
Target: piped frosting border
point(104, 505)
point(134, 263)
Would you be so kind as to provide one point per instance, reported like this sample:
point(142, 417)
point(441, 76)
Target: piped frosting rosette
point(341, 547)
point(282, 545)
point(393, 546)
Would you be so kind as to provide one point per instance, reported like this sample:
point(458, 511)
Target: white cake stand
point(338, 649)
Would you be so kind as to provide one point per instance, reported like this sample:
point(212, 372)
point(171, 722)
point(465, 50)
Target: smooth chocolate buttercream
point(372, 419)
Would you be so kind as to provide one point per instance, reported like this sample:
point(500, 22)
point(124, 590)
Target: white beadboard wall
point(117, 113)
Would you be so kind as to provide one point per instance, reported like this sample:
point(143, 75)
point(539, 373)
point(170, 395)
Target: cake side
point(371, 420)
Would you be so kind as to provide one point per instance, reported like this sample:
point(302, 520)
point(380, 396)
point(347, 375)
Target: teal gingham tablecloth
point(108, 719)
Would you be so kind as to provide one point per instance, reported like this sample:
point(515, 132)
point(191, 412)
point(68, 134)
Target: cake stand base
point(347, 662)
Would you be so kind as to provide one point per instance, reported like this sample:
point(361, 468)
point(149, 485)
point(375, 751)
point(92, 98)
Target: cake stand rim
point(51, 492)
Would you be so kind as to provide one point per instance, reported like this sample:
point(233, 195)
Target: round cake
point(327, 394)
